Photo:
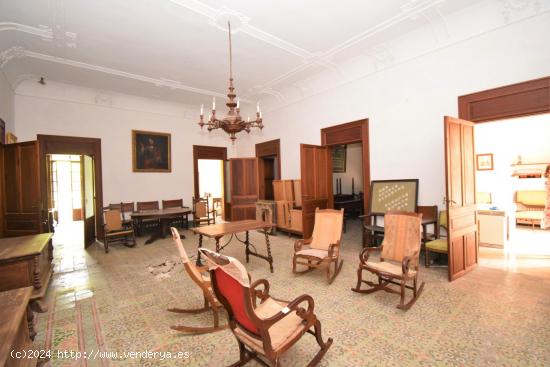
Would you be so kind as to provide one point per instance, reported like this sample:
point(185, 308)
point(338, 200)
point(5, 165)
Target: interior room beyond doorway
point(211, 183)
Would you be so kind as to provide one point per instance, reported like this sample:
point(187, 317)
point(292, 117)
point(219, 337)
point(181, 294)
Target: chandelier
point(232, 123)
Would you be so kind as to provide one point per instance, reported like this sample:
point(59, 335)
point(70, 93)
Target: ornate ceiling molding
point(43, 32)
point(10, 54)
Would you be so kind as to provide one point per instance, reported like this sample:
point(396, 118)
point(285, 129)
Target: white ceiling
point(177, 50)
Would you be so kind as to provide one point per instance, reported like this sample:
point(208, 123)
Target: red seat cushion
point(233, 291)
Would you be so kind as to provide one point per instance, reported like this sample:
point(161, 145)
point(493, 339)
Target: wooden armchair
point(269, 328)
point(399, 255)
point(323, 248)
point(125, 209)
point(202, 212)
point(202, 280)
point(438, 245)
point(115, 231)
point(146, 223)
point(178, 203)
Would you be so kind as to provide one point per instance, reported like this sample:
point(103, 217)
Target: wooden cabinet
point(288, 199)
point(16, 327)
point(493, 228)
point(26, 261)
point(23, 199)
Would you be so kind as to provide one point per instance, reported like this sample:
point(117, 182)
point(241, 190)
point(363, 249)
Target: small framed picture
point(151, 151)
point(484, 162)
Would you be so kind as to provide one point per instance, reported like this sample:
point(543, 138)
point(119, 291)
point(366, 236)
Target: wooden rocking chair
point(323, 246)
point(267, 329)
point(398, 263)
point(210, 301)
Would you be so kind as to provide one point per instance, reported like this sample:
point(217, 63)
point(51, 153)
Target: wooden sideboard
point(27, 261)
point(16, 328)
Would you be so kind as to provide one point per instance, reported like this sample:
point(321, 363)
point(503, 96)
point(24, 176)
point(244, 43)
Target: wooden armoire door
point(244, 188)
point(316, 178)
point(23, 204)
point(460, 199)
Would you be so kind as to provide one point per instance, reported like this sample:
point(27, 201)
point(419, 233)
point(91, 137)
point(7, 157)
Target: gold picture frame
point(484, 162)
point(151, 151)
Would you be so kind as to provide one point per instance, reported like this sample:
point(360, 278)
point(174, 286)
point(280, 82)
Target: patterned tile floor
point(111, 303)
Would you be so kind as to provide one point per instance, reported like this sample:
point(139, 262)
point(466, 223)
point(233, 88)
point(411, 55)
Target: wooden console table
point(217, 231)
point(27, 261)
point(17, 329)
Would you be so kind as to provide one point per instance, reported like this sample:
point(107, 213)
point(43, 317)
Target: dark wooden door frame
point(268, 149)
point(57, 144)
point(527, 98)
point(349, 133)
point(207, 152)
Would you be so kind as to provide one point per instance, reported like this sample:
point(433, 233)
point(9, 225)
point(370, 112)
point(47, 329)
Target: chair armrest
point(300, 243)
point(262, 294)
point(364, 255)
point(407, 262)
point(305, 314)
point(333, 248)
point(202, 269)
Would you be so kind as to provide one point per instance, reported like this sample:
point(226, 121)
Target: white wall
point(528, 137)
point(405, 103)
point(61, 109)
point(6, 103)
point(354, 169)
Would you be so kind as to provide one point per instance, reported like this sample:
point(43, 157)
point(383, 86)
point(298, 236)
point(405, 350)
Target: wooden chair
point(323, 248)
point(115, 230)
point(210, 301)
point(125, 209)
point(178, 203)
point(146, 223)
point(398, 263)
point(269, 328)
point(202, 212)
point(438, 245)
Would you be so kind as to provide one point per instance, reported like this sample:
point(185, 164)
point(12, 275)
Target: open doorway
point(66, 199)
point(269, 167)
point(210, 169)
point(512, 157)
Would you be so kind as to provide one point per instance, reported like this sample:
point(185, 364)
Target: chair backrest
point(113, 220)
point(327, 229)
point(178, 203)
point(232, 287)
point(401, 235)
point(188, 265)
point(200, 207)
point(443, 219)
point(484, 198)
point(147, 205)
point(127, 207)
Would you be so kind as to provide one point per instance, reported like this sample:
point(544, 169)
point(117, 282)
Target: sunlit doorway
point(66, 200)
point(211, 183)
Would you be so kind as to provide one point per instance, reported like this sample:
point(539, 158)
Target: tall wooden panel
point(88, 199)
point(23, 204)
point(316, 172)
point(244, 188)
point(460, 185)
point(2, 198)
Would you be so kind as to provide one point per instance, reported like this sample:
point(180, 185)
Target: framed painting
point(389, 195)
point(484, 162)
point(2, 132)
point(151, 151)
point(339, 159)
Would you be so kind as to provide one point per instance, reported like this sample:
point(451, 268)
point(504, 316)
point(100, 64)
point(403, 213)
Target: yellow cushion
point(437, 245)
point(531, 197)
point(530, 214)
point(389, 267)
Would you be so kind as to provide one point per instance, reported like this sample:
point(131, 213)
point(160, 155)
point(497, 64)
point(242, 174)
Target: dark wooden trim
point(56, 144)
point(349, 133)
point(522, 99)
point(268, 149)
point(207, 152)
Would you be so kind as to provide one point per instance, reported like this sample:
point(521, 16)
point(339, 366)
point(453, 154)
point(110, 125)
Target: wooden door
point(244, 188)
point(461, 208)
point(316, 172)
point(88, 199)
point(23, 204)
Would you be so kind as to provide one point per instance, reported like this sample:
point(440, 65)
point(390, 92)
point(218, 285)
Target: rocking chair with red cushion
point(269, 328)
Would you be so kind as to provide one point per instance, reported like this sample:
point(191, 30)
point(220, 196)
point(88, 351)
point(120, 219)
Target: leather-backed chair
point(266, 330)
point(323, 248)
point(149, 222)
point(438, 245)
point(202, 212)
point(183, 220)
point(399, 256)
point(199, 275)
point(115, 231)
